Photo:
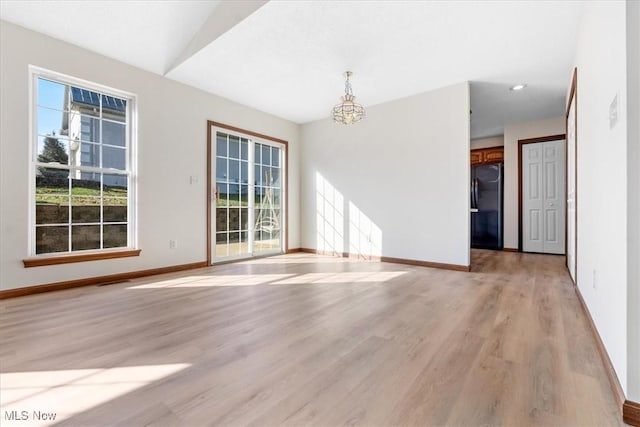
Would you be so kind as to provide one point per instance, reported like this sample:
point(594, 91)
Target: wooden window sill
point(67, 259)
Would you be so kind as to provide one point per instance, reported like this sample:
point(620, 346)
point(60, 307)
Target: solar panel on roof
point(87, 97)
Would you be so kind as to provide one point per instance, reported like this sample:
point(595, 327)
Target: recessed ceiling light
point(518, 87)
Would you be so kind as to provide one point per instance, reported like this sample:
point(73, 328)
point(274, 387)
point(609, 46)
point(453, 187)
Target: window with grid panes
point(82, 167)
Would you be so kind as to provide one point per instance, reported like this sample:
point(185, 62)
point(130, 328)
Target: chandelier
point(348, 111)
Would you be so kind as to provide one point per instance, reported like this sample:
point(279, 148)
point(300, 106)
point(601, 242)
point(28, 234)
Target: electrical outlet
point(595, 279)
point(173, 244)
point(193, 179)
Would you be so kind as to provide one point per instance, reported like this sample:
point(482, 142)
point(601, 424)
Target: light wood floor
point(310, 340)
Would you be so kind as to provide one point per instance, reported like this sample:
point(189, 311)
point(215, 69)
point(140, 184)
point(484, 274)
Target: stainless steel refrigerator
point(487, 206)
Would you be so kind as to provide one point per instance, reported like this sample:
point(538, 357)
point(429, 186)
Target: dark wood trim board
point(99, 280)
point(618, 393)
point(573, 96)
point(455, 267)
point(631, 413)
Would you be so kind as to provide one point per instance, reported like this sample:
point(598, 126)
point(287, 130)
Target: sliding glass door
point(248, 215)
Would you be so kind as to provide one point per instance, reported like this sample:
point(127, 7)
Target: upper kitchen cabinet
point(487, 155)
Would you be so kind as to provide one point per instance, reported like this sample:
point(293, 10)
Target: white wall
point(633, 194)
point(512, 134)
point(495, 141)
point(171, 147)
point(602, 175)
point(396, 184)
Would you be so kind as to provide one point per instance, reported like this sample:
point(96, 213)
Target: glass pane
point(267, 177)
point(115, 236)
point(244, 149)
point(87, 130)
point(49, 213)
point(234, 171)
point(234, 194)
point(258, 178)
point(234, 237)
point(259, 196)
point(221, 220)
point(221, 144)
point(267, 241)
point(234, 219)
point(84, 237)
point(83, 212)
point(52, 191)
point(85, 198)
point(53, 150)
point(275, 177)
point(114, 133)
point(52, 94)
point(52, 239)
point(244, 195)
point(221, 169)
point(244, 218)
point(57, 123)
point(244, 242)
point(114, 157)
point(244, 172)
point(234, 147)
point(84, 154)
point(257, 158)
point(266, 155)
point(267, 218)
point(114, 198)
point(223, 194)
point(114, 209)
point(114, 108)
point(85, 102)
point(235, 245)
point(222, 249)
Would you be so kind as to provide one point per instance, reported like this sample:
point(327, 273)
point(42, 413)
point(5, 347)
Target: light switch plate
point(613, 112)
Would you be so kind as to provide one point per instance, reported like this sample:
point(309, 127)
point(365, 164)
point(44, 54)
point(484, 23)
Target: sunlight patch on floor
point(43, 398)
point(346, 277)
point(213, 281)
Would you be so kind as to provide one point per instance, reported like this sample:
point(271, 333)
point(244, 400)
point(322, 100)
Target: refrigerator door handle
point(472, 193)
point(475, 193)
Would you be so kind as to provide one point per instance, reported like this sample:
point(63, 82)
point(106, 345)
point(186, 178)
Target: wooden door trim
point(522, 142)
point(209, 195)
point(573, 96)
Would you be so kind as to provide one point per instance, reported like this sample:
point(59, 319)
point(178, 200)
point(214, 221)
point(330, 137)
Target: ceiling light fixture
point(518, 87)
point(348, 112)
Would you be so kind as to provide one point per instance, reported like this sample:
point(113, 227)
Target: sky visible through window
point(50, 95)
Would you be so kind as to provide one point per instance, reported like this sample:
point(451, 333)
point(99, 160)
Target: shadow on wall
point(337, 234)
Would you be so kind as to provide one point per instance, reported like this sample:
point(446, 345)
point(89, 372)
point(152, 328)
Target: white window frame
point(131, 147)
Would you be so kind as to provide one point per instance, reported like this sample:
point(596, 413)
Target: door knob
point(551, 204)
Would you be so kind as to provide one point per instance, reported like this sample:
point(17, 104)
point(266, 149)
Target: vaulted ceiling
point(287, 58)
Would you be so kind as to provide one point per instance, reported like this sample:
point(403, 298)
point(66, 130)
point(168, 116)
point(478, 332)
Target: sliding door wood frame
point(210, 195)
point(522, 142)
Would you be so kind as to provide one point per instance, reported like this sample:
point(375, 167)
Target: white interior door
point(571, 191)
point(543, 197)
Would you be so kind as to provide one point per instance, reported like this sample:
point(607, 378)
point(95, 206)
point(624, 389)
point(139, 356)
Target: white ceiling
point(287, 58)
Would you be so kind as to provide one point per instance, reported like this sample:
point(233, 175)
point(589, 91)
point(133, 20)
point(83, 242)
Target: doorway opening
point(246, 194)
point(541, 194)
